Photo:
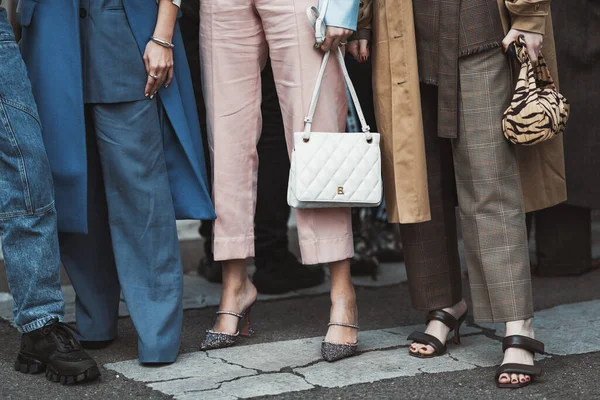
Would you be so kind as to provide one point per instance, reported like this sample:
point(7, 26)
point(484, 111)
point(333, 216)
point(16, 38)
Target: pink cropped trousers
point(236, 37)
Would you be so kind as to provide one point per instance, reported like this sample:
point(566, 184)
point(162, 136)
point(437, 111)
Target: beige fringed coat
point(398, 109)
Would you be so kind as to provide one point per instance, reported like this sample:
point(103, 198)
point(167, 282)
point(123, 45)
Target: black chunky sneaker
point(54, 349)
point(96, 344)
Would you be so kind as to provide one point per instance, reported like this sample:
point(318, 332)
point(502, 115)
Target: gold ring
point(153, 76)
point(343, 43)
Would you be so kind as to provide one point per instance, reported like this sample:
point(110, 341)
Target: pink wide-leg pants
point(236, 36)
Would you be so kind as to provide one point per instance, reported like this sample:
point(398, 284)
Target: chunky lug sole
point(29, 365)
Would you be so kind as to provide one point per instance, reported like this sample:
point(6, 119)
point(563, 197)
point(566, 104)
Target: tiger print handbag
point(537, 111)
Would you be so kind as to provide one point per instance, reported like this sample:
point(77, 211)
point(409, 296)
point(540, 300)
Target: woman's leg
point(232, 50)
point(343, 304)
point(431, 248)
point(237, 295)
point(491, 201)
point(325, 234)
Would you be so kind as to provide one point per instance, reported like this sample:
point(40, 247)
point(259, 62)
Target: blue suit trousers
point(132, 244)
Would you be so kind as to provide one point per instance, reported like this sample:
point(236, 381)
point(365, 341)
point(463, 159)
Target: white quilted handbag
point(335, 169)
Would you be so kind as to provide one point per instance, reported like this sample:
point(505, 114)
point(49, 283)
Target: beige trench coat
point(398, 109)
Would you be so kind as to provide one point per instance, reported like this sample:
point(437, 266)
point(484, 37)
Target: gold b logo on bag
point(340, 190)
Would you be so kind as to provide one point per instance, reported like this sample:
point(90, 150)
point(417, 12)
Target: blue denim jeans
point(27, 213)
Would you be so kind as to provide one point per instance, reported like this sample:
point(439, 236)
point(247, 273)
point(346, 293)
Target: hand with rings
point(159, 67)
point(335, 37)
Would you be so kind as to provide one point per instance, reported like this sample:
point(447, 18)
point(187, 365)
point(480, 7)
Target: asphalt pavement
point(571, 376)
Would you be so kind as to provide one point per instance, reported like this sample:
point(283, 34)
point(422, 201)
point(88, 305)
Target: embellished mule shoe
point(218, 340)
point(336, 351)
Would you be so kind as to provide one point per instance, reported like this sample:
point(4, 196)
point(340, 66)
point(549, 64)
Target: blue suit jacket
point(51, 49)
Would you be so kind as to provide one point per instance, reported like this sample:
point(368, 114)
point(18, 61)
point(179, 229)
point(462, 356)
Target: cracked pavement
point(266, 366)
point(292, 366)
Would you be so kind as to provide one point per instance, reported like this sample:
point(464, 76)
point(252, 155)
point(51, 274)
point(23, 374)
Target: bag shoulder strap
point(315, 97)
point(319, 24)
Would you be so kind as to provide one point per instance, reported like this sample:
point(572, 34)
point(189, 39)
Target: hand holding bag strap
point(541, 74)
point(315, 97)
point(319, 24)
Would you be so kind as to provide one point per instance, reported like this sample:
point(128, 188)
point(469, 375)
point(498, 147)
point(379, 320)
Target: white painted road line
point(295, 365)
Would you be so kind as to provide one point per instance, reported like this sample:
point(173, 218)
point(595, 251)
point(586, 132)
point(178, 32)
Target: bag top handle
point(311, 12)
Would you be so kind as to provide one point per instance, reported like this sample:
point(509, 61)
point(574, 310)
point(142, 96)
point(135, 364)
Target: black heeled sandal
point(521, 342)
point(429, 340)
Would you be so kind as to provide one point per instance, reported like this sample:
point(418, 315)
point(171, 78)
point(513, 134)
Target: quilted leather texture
point(335, 170)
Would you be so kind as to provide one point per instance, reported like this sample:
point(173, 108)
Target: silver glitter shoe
point(218, 340)
point(336, 351)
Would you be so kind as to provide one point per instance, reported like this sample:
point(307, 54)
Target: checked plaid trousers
point(479, 171)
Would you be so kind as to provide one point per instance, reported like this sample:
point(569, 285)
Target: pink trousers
point(236, 36)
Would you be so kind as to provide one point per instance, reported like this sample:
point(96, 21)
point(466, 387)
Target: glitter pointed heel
point(218, 340)
point(336, 351)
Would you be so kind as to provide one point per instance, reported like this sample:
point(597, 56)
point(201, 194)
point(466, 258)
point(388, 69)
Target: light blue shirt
point(341, 13)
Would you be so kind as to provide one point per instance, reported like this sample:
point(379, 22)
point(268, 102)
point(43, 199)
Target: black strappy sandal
point(525, 343)
point(429, 340)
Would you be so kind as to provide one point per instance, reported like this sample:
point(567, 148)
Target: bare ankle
point(457, 309)
point(238, 287)
point(234, 286)
point(343, 298)
point(521, 327)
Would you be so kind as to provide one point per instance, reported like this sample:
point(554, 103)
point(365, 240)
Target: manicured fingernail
point(166, 86)
point(146, 95)
point(151, 97)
